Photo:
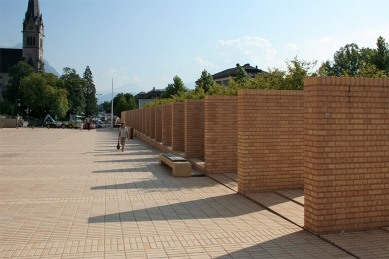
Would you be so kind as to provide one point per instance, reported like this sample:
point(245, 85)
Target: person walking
point(88, 121)
point(123, 135)
point(81, 125)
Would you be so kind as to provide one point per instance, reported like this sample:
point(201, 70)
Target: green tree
point(381, 58)
point(16, 74)
point(121, 105)
point(42, 93)
point(131, 101)
point(91, 106)
point(75, 87)
point(205, 81)
point(175, 88)
point(107, 106)
point(352, 61)
point(241, 75)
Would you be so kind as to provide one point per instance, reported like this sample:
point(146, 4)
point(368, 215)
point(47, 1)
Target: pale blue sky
point(144, 44)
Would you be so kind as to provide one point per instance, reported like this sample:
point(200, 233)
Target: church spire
point(33, 11)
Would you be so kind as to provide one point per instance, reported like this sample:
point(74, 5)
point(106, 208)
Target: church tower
point(33, 36)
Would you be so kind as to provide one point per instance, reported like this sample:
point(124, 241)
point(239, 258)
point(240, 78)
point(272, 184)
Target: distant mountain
point(50, 69)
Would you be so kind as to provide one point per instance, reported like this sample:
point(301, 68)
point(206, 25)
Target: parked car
point(98, 124)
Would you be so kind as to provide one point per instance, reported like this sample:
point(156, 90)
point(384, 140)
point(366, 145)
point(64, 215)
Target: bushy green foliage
point(91, 106)
point(175, 88)
point(352, 61)
point(205, 81)
point(123, 102)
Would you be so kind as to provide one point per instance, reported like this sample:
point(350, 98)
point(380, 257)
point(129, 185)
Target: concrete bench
point(180, 167)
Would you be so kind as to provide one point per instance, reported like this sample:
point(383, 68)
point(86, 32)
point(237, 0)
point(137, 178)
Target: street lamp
point(28, 110)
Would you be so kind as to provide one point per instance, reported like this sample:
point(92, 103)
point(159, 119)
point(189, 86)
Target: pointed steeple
point(32, 10)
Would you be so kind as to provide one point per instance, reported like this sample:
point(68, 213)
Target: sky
point(141, 44)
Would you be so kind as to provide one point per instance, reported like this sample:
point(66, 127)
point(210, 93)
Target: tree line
point(348, 61)
point(46, 93)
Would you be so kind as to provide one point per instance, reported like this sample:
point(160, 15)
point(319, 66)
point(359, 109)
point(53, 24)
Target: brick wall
point(194, 129)
point(147, 120)
point(167, 124)
point(158, 123)
point(221, 134)
point(346, 137)
point(178, 126)
point(270, 140)
point(152, 122)
point(142, 120)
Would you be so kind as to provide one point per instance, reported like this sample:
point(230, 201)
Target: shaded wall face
point(158, 123)
point(167, 124)
point(346, 154)
point(221, 134)
point(178, 126)
point(194, 129)
point(270, 140)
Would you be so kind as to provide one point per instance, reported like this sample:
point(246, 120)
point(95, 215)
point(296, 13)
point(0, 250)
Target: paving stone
point(70, 194)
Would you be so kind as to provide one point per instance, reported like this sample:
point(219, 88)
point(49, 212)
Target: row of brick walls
point(178, 126)
point(270, 140)
point(346, 139)
point(194, 129)
point(221, 137)
point(332, 139)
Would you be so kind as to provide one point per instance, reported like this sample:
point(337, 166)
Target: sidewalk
point(71, 194)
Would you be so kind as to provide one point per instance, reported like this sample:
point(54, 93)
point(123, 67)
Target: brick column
point(178, 126)
point(147, 120)
point(221, 134)
point(346, 157)
point(152, 122)
point(167, 124)
point(270, 140)
point(158, 123)
point(194, 129)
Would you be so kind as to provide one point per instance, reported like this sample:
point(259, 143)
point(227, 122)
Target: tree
point(107, 106)
point(91, 106)
point(121, 105)
point(16, 74)
point(75, 87)
point(241, 75)
point(175, 88)
point(205, 81)
point(42, 92)
point(352, 61)
point(131, 101)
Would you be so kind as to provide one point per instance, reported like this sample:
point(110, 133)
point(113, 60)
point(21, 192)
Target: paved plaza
point(71, 194)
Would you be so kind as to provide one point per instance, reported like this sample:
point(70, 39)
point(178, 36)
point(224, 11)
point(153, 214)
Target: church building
point(32, 52)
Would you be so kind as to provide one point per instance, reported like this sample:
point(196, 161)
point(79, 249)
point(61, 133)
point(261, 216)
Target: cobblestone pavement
point(71, 194)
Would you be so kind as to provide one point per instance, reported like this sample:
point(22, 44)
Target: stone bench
point(180, 167)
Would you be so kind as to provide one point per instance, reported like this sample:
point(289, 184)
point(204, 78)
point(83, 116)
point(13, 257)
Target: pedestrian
point(81, 125)
point(123, 134)
point(88, 121)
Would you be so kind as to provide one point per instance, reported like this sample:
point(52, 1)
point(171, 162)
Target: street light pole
point(112, 107)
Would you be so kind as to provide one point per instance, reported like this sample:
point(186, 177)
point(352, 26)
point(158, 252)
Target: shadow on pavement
point(225, 206)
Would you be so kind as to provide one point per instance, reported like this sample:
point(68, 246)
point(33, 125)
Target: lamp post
point(112, 107)
point(28, 110)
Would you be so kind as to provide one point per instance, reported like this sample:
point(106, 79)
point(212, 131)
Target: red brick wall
point(346, 137)
point(194, 129)
point(142, 120)
point(147, 120)
point(158, 123)
point(221, 134)
point(152, 122)
point(178, 126)
point(270, 140)
point(167, 124)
